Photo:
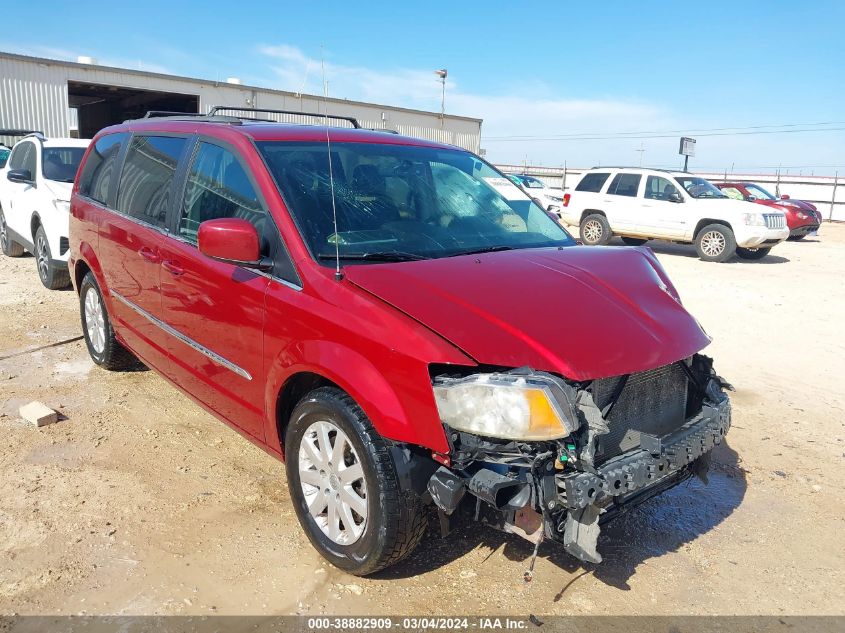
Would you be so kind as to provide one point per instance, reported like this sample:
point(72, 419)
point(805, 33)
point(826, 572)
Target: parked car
point(547, 197)
point(643, 204)
point(802, 218)
point(35, 186)
point(374, 310)
point(4, 155)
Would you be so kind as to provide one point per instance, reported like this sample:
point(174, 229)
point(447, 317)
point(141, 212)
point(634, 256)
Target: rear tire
point(752, 253)
point(53, 277)
point(715, 243)
point(595, 230)
point(9, 247)
point(358, 485)
point(634, 241)
point(797, 238)
point(103, 347)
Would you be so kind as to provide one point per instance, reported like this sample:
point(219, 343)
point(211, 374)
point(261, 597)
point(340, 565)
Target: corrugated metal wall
point(33, 94)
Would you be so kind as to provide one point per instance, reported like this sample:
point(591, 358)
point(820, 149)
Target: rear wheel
point(104, 348)
point(634, 241)
point(752, 253)
point(715, 243)
point(9, 247)
point(796, 238)
point(345, 488)
point(595, 230)
point(53, 277)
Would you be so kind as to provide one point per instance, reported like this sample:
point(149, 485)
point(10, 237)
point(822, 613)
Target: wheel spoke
point(334, 520)
point(351, 474)
point(318, 503)
point(312, 452)
point(324, 442)
point(337, 451)
point(349, 524)
point(312, 478)
point(350, 498)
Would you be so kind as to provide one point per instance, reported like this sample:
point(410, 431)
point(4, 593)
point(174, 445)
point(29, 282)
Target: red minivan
point(399, 320)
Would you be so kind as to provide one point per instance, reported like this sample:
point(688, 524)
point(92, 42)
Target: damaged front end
point(545, 458)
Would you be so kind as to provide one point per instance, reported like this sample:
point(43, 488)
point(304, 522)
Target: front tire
point(595, 230)
point(797, 238)
point(9, 247)
point(345, 488)
point(752, 253)
point(103, 347)
point(52, 277)
point(715, 243)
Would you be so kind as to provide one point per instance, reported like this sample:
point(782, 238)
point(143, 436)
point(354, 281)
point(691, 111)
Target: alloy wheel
point(713, 243)
point(95, 322)
point(332, 479)
point(43, 257)
point(592, 231)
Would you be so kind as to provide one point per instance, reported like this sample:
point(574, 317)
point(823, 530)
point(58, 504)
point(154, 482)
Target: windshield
point(61, 163)
point(397, 202)
point(699, 187)
point(758, 192)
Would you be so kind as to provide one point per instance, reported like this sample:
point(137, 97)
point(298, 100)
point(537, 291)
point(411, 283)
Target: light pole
point(442, 74)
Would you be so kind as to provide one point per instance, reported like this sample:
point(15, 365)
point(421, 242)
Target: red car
point(375, 309)
point(802, 218)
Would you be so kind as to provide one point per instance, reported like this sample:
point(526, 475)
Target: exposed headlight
point(506, 406)
point(62, 205)
point(753, 219)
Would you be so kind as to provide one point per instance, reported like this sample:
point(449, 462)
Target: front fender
point(401, 409)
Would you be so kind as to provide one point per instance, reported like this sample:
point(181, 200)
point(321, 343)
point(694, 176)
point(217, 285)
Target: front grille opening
point(654, 402)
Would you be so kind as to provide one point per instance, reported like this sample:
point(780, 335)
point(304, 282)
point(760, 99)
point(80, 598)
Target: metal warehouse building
point(62, 98)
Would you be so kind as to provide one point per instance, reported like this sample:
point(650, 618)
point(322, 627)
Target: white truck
point(640, 204)
point(35, 186)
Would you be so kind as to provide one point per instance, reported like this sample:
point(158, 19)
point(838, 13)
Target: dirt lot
point(139, 502)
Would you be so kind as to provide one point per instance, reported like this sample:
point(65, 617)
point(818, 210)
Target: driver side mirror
point(675, 197)
point(234, 241)
point(23, 176)
point(751, 198)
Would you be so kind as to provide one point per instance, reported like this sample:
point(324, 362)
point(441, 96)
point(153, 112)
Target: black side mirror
point(20, 175)
point(751, 198)
point(675, 197)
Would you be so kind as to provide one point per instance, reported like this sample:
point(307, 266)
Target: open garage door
point(99, 105)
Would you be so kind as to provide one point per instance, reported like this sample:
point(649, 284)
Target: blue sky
point(539, 70)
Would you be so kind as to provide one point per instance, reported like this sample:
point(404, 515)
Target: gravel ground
point(139, 502)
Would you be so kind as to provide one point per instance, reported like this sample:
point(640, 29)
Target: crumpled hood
point(584, 312)
point(60, 190)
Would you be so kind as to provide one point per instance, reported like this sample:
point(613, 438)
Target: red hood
point(583, 312)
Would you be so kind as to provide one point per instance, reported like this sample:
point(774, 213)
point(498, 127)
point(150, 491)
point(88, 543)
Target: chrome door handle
point(172, 268)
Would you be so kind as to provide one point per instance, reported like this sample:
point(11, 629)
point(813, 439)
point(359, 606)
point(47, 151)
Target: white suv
point(549, 198)
point(35, 187)
point(642, 204)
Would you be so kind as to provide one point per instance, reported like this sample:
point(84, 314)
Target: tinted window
point(61, 163)
point(657, 188)
point(217, 187)
point(592, 182)
point(96, 176)
point(146, 184)
point(23, 157)
point(624, 185)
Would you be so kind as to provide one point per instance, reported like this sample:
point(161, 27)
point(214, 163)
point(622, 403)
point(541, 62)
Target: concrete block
point(38, 414)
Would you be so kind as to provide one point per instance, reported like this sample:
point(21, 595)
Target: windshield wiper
point(376, 256)
point(484, 249)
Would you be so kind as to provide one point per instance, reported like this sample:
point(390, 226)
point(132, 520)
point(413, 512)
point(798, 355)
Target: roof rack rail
point(151, 114)
point(668, 171)
point(7, 132)
point(337, 117)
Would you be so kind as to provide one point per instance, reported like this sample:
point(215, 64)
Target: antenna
point(338, 275)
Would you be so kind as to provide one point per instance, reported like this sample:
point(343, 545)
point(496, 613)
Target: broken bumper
point(657, 459)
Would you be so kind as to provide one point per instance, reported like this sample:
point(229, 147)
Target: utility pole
point(442, 74)
point(641, 151)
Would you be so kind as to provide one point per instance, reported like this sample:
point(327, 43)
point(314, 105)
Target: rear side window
point(96, 178)
point(625, 185)
point(217, 187)
point(146, 184)
point(592, 182)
